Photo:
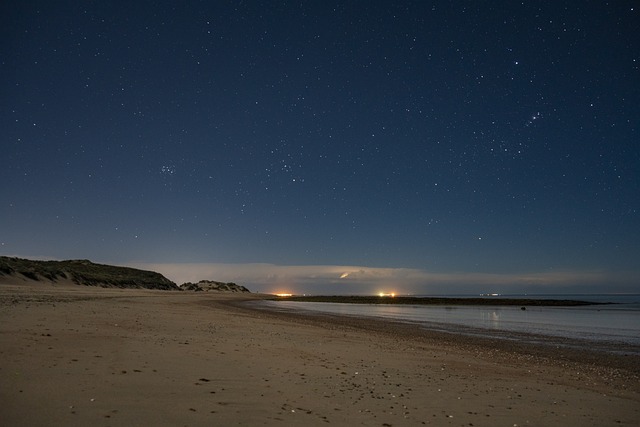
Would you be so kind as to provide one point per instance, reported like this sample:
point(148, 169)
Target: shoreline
point(427, 300)
point(601, 343)
point(84, 356)
point(551, 349)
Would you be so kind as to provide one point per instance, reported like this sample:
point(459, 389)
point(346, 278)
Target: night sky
point(327, 147)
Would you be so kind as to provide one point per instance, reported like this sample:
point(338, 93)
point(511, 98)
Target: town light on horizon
point(391, 294)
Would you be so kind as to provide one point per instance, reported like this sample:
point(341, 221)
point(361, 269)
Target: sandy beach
point(77, 356)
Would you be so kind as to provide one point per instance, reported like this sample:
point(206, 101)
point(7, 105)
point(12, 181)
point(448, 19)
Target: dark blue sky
point(451, 138)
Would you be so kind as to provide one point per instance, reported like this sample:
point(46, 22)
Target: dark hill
point(84, 272)
point(210, 285)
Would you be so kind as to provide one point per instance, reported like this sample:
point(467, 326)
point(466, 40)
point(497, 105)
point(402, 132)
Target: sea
point(612, 327)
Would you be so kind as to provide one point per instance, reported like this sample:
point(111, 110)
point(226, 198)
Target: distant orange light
point(382, 294)
point(284, 295)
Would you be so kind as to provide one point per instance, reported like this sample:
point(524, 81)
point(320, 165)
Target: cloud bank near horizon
point(344, 279)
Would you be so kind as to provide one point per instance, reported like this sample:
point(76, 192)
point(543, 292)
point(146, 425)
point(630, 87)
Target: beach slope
point(78, 356)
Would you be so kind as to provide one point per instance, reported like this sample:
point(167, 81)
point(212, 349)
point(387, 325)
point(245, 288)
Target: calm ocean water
point(613, 327)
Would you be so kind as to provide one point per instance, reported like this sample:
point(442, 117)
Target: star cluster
point(451, 136)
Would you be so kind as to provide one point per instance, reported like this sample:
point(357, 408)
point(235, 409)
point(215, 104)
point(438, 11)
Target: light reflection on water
point(599, 323)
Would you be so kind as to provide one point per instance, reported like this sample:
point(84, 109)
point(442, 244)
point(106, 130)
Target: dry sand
point(78, 356)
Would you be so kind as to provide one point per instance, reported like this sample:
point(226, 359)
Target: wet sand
point(75, 355)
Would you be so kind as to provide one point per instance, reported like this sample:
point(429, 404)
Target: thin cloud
point(318, 279)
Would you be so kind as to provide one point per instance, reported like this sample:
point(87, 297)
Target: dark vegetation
point(355, 299)
point(211, 285)
point(84, 272)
